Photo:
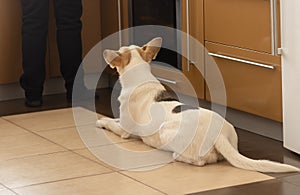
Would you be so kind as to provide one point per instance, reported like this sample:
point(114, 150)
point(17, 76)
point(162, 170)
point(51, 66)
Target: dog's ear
point(151, 49)
point(112, 58)
point(115, 58)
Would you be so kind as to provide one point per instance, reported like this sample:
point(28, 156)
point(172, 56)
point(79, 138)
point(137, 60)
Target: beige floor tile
point(8, 129)
point(46, 168)
point(136, 146)
point(6, 192)
point(113, 138)
point(53, 119)
point(87, 154)
point(71, 139)
point(67, 137)
point(180, 178)
point(132, 145)
point(129, 155)
point(113, 183)
point(28, 144)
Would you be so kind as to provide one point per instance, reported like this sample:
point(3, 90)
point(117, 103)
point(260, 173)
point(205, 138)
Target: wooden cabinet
point(235, 29)
point(193, 25)
point(109, 17)
point(249, 87)
point(10, 41)
point(239, 23)
point(239, 37)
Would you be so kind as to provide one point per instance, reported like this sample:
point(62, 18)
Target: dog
point(160, 121)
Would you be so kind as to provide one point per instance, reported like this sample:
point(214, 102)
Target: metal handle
point(192, 62)
point(166, 81)
point(274, 26)
point(242, 61)
point(120, 22)
point(188, 33)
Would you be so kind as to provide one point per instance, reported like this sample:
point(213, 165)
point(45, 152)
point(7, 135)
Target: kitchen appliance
point(157, 12)
point(290, 37)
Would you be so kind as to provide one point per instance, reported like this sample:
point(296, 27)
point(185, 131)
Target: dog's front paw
point(125, 135)
point(101, 123)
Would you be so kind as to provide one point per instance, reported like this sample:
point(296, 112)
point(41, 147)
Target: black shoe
point(33, 103)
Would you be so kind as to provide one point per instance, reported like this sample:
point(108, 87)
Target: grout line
point(7, 188)
point(142, 183)
point(50, 129)
point(34, 131)
point(122, 173)
point(36, 134)
point(65, 148)
point(12, 123)
point(102, 163)
point(33, 155)
point(95, 161)
point(26, 112)
point(53, 129)
point(59, 128)
point(61, 180)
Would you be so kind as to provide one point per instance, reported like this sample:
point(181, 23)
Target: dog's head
point(132, 55)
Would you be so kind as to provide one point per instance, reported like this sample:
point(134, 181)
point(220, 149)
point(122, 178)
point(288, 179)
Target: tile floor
point(41, 152)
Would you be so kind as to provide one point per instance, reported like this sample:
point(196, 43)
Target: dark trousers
point(34, 42)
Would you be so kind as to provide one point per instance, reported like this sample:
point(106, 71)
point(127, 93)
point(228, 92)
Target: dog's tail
point(240, 161)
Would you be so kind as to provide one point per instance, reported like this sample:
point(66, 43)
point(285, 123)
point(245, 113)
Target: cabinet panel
point(241, 23)
point(249, 88)
point(109, 17)
point(194, 26)
point(10, 41)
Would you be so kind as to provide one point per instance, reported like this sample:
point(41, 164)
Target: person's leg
point(34, 42)
point(68, 14)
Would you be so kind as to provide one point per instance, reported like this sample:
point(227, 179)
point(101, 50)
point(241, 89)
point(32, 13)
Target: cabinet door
point(91, 33)
point(240, 23)
point(249, 88)
point(194, 26)
point(10, 41)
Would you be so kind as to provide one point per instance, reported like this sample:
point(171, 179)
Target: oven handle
point(274, 26)
point(120, 22)
point(166, 81)
point(241, 60)
point(188, 33)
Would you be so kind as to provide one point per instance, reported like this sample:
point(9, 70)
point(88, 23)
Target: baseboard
point(52, 86)
point(253, 123)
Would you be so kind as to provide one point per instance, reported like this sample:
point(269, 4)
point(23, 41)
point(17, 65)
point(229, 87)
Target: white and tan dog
point(148, 111)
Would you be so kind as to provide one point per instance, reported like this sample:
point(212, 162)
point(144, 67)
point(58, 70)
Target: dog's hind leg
point(180, 158)
point(112, 125)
